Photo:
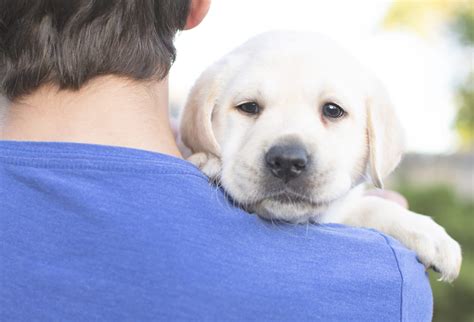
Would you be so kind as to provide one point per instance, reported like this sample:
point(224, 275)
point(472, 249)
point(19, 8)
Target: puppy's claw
point(451, 262)
point(436, 249)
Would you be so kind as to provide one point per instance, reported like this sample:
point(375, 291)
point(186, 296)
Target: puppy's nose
point(287, 161)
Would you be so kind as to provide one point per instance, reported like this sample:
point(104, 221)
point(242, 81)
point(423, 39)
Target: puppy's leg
point(434, 247)
point(209, 164)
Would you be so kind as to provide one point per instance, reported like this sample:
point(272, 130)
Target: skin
point(108, 110)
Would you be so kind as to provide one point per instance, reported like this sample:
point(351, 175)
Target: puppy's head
point(296, 123)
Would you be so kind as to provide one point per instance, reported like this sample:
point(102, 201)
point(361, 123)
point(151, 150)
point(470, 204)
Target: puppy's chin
point(294, 212)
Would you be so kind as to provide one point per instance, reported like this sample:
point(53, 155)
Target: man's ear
point(196, 120)
point(197, 11)
point(385, 135)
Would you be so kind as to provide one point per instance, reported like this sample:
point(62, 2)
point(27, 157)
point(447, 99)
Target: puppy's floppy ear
point(385, 135)
point(196, 120)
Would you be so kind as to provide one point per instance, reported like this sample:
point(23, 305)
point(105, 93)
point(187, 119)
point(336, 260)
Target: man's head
point(67, 43)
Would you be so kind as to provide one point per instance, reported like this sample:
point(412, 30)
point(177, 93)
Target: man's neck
point(108, 111)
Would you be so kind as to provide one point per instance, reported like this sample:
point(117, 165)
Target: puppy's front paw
point(435, 248)
point(209, 164)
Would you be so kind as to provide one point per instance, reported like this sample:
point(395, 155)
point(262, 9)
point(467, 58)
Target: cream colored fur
point(291, 75)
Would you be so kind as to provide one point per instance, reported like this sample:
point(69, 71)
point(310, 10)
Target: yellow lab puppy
point(291, 125)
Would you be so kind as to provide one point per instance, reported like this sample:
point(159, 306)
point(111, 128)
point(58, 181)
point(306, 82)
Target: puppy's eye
point(249, 108)
point(333, 111)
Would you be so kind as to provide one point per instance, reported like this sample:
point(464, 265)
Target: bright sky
point(418, 73)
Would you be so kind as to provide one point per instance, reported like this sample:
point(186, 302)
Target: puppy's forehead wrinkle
point(250, 93)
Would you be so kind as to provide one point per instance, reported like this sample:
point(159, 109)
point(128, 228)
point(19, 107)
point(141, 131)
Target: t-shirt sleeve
point(416, 302)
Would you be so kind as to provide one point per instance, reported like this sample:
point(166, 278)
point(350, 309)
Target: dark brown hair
point(67, 43)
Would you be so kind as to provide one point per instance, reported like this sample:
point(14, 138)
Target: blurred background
point(423, 50)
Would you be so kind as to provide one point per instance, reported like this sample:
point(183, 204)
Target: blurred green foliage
point(463, 24)
point(463, 27)
point(452, 302)
point(465, 116)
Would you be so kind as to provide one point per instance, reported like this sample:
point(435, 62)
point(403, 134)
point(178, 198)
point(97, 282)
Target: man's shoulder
point(153, 231)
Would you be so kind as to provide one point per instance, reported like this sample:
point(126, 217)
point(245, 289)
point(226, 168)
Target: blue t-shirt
point(104, 233)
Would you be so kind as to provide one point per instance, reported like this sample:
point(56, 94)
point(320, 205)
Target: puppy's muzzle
point(287, 162)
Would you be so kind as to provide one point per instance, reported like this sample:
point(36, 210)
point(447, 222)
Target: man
point(100, 217)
